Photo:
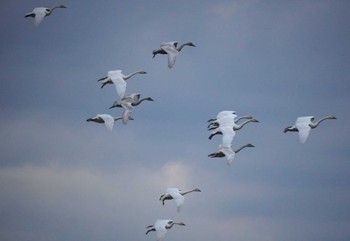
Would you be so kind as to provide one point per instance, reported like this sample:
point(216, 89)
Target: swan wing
point(172, 53)
point(227, 135)
point(179, 199)
point(303, 126)
point(127, 111)
point(120, 84)
point(160, 229)
point(108, 120)
point(229, 154)
point(303, 133)
point(40, 14)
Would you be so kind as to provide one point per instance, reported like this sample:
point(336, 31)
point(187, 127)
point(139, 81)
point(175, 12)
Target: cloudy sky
point(62, 178)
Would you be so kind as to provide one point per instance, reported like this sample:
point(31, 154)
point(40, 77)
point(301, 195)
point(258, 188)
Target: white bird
point(40, 13)
point(304, 124)
point(213, 124)
point(117, 78)
point(170, 48)
point(236, 127)
point(177, 195)
point(161, 226)
point(136, 100)
point(227, 152)
point(107, 119)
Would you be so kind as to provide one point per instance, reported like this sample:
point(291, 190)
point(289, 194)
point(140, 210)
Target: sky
point(62, 178)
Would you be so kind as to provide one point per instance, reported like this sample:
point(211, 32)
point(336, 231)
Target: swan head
point(191, 44)
point(250, 145)
point(332, 117)
point(61, 6)
point(253, 120)
point(142, 72)
point(197, 190)
point(149, 98)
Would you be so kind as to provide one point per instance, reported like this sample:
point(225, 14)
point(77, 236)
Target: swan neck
point(237, 127)
point(315, 124)
point(130, 75)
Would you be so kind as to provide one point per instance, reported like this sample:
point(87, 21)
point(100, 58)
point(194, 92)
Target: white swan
point(108, 120)
point(40, 13)
point(177, 195)
point(170, 48)
point(213, 124)
point(136, 100)
point(161, 226)
point(304, 124)
point(236, 127)
point(227, 152)
point(117, 78)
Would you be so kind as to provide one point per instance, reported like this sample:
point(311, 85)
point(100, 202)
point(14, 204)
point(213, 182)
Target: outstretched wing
point(179, 199)
point(302, 124)
point(109, 121)
point(39, 16)
point(120, 84)
point(170, 49)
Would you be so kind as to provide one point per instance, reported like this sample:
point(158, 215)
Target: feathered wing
point(160, 228)
point(227, 135)
point(127, 111)
point(109, 121)
point(303, 133)
point(302, 124)
point(39, 16)
point(229, 153)
point(170, 49)
point(120, 84)
point(179, 199)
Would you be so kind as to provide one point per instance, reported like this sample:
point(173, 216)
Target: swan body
point(161, 226)
point(40, 13)
point(117, 78)
point(135, 100)
point(177, 195)
point(227, 152)
point(108, 120)
point(170, 48)
point(304, 124)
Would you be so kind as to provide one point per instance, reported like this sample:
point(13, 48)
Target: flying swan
point(161, 226)
point(135, 100)
point(177, 195)
point(40, 13)
point(170, 48)
point(117, 78)
point(107, 119)
point(236, 127)
point(227, 152)
point(304, 124)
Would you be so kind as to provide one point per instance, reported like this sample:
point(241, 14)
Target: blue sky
point(62, 178)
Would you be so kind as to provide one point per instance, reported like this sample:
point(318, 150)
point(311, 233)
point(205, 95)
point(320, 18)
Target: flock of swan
point(225, 123)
